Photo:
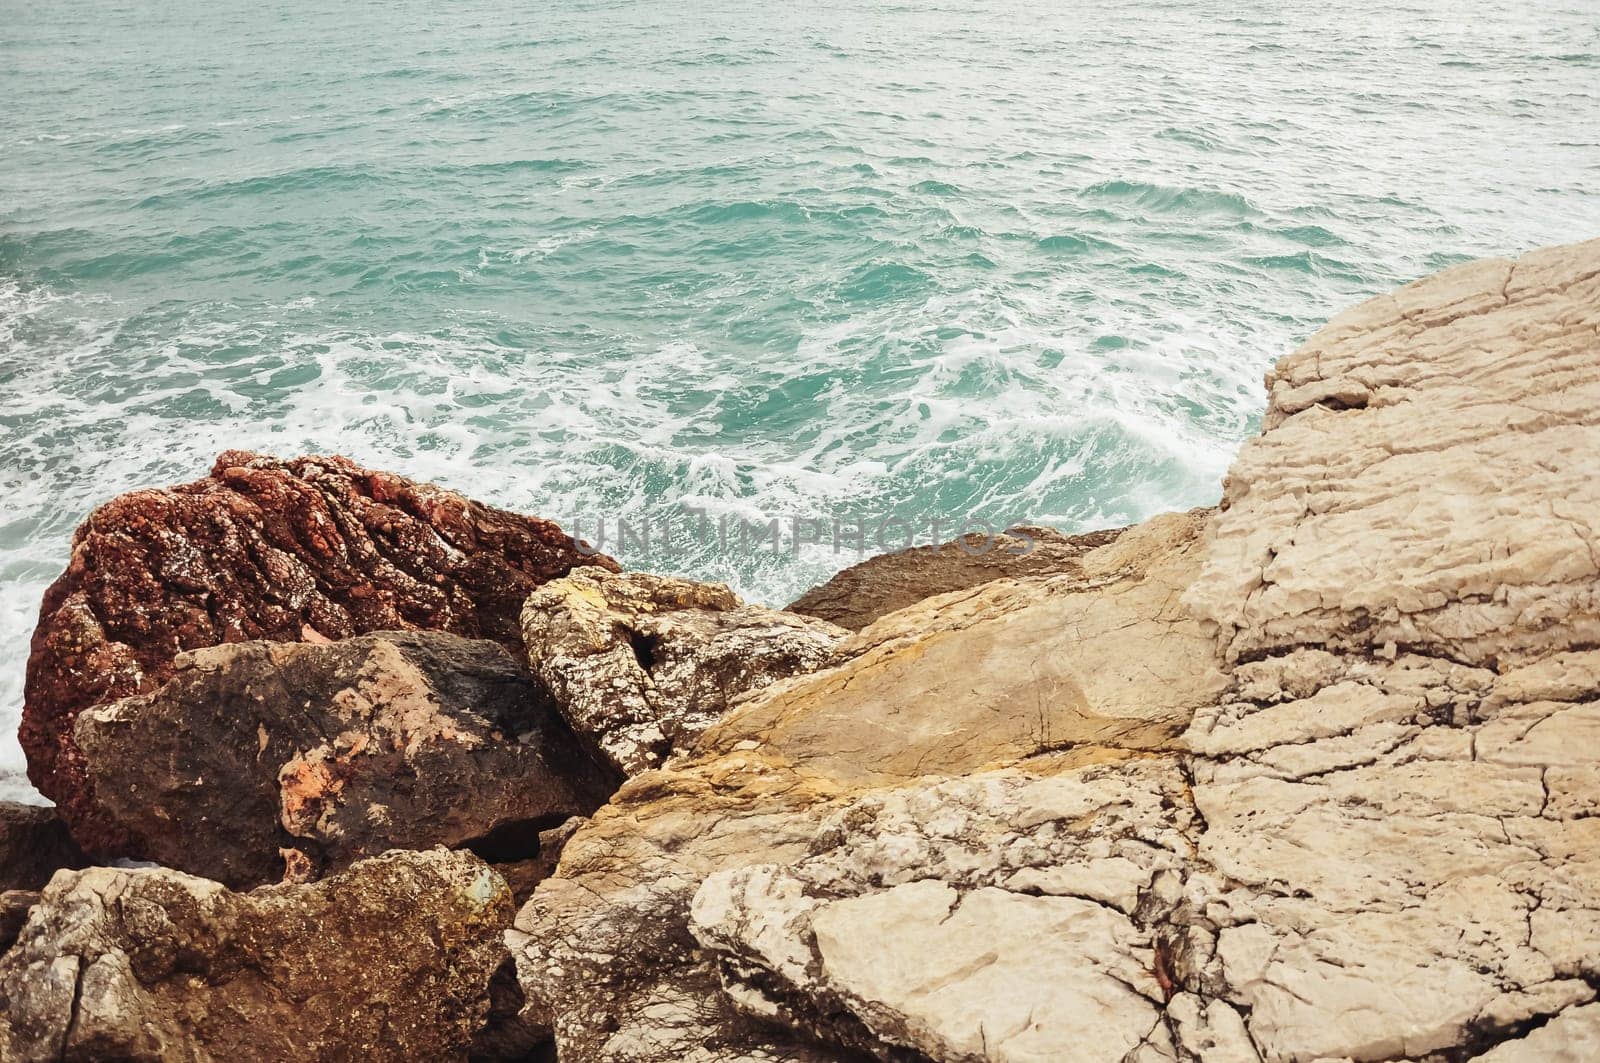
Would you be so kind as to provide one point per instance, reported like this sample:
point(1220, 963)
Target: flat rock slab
point(1104, 656)
point(304, 550)
point(328, 753)
point(994, 917)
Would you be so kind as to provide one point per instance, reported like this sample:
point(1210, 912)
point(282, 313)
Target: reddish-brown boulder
point(311, 549)
point(860, 594)
point(258, 759)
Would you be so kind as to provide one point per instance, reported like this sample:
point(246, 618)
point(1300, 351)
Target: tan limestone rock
point(640, 665)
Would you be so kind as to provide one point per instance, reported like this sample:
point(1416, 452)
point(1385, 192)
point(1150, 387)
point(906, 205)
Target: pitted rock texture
point(336, 752)
point(878, 586)
point(390, 960)
point(304, 550)
point(34, 843)
point(641, 665)
point(1312, 778)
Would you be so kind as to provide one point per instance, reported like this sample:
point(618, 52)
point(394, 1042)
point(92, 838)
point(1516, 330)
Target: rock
point(14, 908)
point(1311, 777)
point(1070, 673)
point(304, 550)
point(862, 593)
point(1401, 854)
point(1100, 657)
point(332, 752)
point(1001, 916)
point(34, 843)
point(1571, 1037)
point(523, 875)
point(389, 960)
point(641, 665)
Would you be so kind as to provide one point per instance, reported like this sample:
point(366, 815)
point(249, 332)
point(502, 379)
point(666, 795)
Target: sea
point(896, 268)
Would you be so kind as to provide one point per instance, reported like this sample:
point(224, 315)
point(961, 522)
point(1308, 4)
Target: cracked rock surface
point(255, 752)
point(1401, 853)
point(640, 665)
point(1312, 777)
point(312, 549)
point(389, 960)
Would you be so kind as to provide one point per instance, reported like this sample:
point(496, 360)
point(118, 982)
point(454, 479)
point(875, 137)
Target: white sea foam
point(789, 277)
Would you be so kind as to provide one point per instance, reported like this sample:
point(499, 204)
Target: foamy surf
point(611, 275)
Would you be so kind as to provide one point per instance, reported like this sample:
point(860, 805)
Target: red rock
point(304, 550)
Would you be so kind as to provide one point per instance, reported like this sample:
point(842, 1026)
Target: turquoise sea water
point(984, 260)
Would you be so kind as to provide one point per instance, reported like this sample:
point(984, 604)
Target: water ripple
point(980, 259)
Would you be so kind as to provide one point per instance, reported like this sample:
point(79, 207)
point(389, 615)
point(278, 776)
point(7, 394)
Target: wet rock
point(34, 843)
point(641, 665)
point(389, 960)
point(255, 754)
point(862, 593)
point(304, 550)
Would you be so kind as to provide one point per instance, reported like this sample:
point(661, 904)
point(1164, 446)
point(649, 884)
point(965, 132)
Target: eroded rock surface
point(390, 960)
point(641, 665)
point(1312, 778)
point(1000, 916)
point(1101, 656)
point(880, 585)
point(331, 752)
point(309, 549)
point(1401, 853)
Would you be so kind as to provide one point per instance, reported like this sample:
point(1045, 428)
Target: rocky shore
point(1311, 775)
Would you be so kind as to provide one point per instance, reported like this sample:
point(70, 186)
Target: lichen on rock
point(640, 665)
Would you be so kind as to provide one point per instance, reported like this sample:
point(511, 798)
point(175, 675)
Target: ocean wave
point(940, 260)
point(1165, 199)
